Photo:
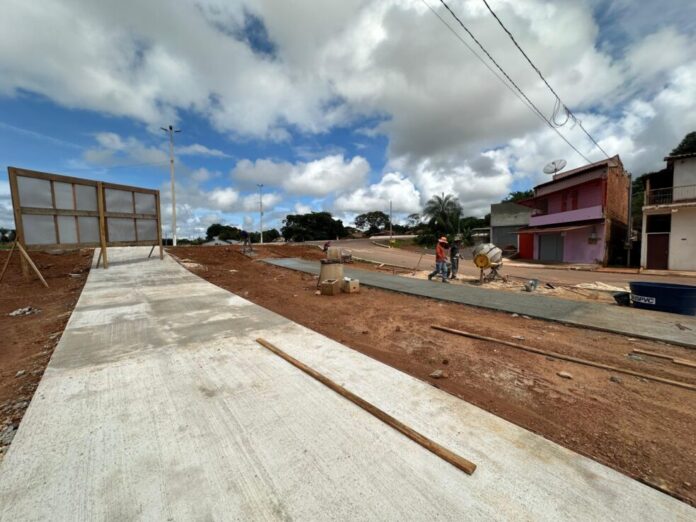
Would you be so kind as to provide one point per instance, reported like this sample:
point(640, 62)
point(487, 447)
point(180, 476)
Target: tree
point(518, 195)
point(687, 145)
point(4, 235)
point(443, 213)
point(312, 227)
point(372, 222)
point(413, 220)
point(214, 230)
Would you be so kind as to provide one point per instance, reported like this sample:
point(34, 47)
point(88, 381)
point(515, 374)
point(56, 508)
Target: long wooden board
point(457, 461)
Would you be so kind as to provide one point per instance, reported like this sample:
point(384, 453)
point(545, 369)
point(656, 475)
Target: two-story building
point(507, 218)
point(580, 216)
point(669, 216)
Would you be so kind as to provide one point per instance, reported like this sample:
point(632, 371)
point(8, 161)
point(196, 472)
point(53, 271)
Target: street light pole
point(171, 130)
point(260, 185)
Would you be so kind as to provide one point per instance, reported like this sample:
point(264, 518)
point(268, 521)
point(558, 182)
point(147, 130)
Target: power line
point(531, 104)
point(569, 113)
point(484, 62)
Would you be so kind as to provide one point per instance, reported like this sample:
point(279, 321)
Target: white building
point(669, 216)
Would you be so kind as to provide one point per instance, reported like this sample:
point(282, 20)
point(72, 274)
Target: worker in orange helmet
point(440, 260)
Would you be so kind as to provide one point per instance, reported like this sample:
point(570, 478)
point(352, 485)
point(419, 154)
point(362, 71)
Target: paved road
point(677, 329)
point(159, 405)
point(365, 249)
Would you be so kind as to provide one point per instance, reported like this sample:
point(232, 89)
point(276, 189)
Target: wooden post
point(159, 225)
point(102, 224)
point(19, 228)
point(457, 461)
point(7, 261)
point(31, 263)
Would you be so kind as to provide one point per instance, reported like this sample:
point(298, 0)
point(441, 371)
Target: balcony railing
point(666, 196)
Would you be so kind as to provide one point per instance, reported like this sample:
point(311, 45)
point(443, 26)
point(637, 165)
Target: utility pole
point(260, 185)
point(171, 130)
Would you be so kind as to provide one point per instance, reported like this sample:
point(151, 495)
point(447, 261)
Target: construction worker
point(454, 258)
point(440, 260)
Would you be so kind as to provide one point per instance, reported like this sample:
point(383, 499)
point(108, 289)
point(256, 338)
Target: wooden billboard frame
point(102, 213)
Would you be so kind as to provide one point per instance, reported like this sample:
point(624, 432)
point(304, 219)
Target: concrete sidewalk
point(622, 320)
point(159, 405)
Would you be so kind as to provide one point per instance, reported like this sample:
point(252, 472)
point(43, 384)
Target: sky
point(338, 105)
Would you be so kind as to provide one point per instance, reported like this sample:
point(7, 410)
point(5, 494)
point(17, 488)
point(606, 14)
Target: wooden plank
point(62, 246)
point(457, 461)
point(31, 263)
point(102, 225)
point(652, 354)
point(577, 360)
point(51, 177)
point(7, 261)
point(675, 360)
point(140, 190)
point(61, 212)
point(19, 225)
point(684, 362)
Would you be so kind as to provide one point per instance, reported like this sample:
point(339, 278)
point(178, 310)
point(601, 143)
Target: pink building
point(580, 215)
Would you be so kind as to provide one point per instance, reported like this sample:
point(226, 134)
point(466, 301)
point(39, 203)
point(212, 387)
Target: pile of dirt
point(32, 319)
point(642, 428)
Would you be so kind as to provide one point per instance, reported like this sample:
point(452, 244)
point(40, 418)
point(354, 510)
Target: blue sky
point(339, 106)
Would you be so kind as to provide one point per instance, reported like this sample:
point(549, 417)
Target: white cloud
point(393, 186)
point(196, 149)
point(315, 178)
point(112, 150)
point(450, 125)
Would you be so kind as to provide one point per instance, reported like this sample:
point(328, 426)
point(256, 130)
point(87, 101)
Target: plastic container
point(664, 297)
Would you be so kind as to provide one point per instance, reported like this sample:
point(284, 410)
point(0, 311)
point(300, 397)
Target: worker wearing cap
point(440, 260)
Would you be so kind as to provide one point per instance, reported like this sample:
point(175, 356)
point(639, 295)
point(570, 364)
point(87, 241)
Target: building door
point(551, 247)
point(658, 251)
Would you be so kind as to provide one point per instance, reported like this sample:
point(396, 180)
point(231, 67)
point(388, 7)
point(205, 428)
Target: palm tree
point(443, 213)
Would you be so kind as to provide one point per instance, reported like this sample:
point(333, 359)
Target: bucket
point(330, 271)
point(664, 297)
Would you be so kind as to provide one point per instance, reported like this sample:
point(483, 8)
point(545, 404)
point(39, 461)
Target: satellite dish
point(555, 166)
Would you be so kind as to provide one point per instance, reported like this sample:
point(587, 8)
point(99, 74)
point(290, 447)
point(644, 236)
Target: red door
point(526, 242)
point(658, 251)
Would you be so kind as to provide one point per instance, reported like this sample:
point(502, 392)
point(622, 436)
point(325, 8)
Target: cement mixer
point(489, 257)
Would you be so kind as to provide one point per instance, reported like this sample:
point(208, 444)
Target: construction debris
point(24, 311)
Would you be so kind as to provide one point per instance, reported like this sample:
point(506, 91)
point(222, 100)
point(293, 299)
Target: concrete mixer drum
point(487, 256)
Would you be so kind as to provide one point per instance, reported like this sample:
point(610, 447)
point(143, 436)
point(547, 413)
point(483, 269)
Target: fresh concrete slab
point(671, 328)
point(159, 405)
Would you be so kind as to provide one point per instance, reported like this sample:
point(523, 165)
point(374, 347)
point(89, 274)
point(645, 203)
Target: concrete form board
point(622, 320)
point(159, 405)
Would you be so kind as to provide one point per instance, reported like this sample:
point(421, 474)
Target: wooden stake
point(7, 261)
point(31, 263)
point(442, 452)
point(102, 224)
point(675, 360)
point(566, 357)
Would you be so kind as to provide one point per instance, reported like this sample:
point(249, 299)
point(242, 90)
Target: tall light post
point(260, 185)
point(171, 130)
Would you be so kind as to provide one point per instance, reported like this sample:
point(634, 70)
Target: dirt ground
point(642, 428)
point(28, 340)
